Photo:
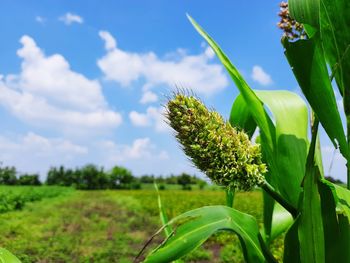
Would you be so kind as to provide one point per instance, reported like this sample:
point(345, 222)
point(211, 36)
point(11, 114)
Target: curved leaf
point(7, 257)
point(335, 35)
point(257, 110)
point(281, 221)
point(162, 214)
point(308, 63)
point(305, 11)
point(336, 226)
point(193, 228)
point(291, 121)
point(310, 230)
point(268, 131)
point(241, 117)
point(291, 244)
point(290, 113)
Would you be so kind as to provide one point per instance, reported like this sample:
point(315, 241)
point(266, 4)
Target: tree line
point(91, 177)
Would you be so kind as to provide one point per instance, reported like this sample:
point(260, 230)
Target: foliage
point(90, 177)
point(121, 178)
point(60, 176)
point(8, 175)
point(29, 179)
point(184, 180)
point(297, 198)
point(15, 197)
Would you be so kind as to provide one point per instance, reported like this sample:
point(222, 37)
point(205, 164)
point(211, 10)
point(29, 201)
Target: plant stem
point(230, 195)
point(346, 104)
point(348, 159)
point(275, 195)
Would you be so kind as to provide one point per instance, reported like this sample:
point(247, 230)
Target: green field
point(110, 226)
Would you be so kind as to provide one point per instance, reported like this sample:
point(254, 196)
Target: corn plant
point(298, 201)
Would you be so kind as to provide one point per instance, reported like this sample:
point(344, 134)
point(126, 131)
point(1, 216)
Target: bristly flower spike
point(223, 153)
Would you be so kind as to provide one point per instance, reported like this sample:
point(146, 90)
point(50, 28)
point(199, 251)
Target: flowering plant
point(298, 201)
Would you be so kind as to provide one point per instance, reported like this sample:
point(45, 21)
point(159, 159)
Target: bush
point(29, 179)
point(8, 175)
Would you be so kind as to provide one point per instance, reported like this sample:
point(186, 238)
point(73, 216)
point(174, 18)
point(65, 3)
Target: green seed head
point(224, 154)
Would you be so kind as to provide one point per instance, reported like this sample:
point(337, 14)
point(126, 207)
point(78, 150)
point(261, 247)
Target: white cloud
point(40, 19)
point(48, 93)
point(260, 76)
point(148, 97)
point(153, 116)
point(139, 119)
point(34, 153)
point(110, 42)
point(69, 18)
point(209, 52)
point(190, 71)
point(140, 149)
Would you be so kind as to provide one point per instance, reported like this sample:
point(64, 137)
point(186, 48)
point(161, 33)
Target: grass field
point(111, 226)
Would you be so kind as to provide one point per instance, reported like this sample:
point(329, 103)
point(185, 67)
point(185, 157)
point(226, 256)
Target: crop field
point(109, 226)
point(15, 197)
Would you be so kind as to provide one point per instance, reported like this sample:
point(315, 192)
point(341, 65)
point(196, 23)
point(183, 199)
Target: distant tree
point(29, 179)
point(333, 180)
point(198, 181)
point(60, 176)
point(184, 180)
point(172, 179)
point(90, 177)
point(147, 179)
point(121, 178)
point(8, 175)
point(160, 180)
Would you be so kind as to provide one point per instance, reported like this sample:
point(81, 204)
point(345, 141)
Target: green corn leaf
point(291, 119)
point(291, 244)
point(268, 210)
point(310, 229)
point(308, 63)
point(289, 154)
point(290, 114)
point(341, 197)
point(241, 117)
point(7, 257)
point(336, 226)
point(193, 228)
point(257, 109)
point(281, 221)
point(268, 131)
point(162, 213)
point(344, 238)
point(305, 11)
point(335, 35)
point(343, 200)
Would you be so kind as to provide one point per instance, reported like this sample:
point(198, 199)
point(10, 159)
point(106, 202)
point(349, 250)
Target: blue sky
point(83, 81)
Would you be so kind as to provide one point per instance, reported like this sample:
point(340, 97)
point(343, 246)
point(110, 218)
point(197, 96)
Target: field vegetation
point(109, 225)
point(290, 212)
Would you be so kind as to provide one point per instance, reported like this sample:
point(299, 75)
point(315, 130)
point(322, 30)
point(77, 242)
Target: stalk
point(348, 159)
point(346, 104)
point(275, 195)
point(230, 195)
